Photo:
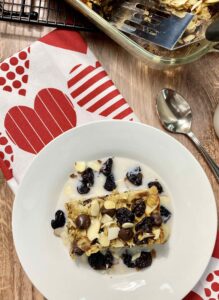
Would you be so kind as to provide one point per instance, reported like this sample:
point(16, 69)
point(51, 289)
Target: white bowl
point(173, 273)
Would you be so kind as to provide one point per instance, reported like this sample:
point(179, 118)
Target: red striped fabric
point(103, 101)
point(95, 93)
point(78, 77)
point(89, 83)
point(97, 89)
point(31, 129)
point(123, 114)
point(16, 132)
point(113, 107)
point(75, 68)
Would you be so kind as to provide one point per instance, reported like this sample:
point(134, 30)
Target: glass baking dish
point(153, 58)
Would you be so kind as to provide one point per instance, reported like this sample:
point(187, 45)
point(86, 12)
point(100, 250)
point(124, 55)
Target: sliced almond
point(58, 232)
point(164, 200)
point(149, 210)
point(153, 200)
point(145, 235)
point(108, 224)
point(113, 233)
point(189, 38)
point(95, 165)
point(136, 255)
point(95, 208)
point(156, 232)
point(127, 225)
point(93, 249)
point(93, 230)
point(80, 166)
point(106, 218)
point(109, 204)
point(117, 244)
point(166, 232)
point(103, 240)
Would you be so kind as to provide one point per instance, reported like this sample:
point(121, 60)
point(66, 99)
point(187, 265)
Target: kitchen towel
point(53, 86)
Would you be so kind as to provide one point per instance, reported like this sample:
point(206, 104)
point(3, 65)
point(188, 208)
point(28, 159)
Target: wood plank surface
point(198, 82)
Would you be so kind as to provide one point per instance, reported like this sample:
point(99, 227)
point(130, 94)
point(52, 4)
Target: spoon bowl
point(174, 111)
point(176, 116)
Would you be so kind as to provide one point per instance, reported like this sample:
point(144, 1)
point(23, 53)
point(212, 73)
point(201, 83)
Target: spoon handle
point(213, 166)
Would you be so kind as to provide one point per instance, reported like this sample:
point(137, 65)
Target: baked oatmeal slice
point(118, 220)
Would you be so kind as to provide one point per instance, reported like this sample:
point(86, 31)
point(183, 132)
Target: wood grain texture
point(198, 82)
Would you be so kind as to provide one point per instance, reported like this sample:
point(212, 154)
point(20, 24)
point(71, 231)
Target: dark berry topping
point(109, 212)
point(139, 241)
point(83, 221)
point(88, 177)
point(124, 215)
point(157, 184)
point(127, 260)
point(106, 168)
point(144, 225)
point(144, 261)
point(126, 234)
point(165, 214)
point(59, 220)
point(99, 261)
point(156, 219)
point(138, 207)
point(135, 176)
point(83, 188)
point(110, 184)
point(109, 259)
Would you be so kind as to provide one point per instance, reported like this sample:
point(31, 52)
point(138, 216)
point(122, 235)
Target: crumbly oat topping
point(102, 219)
point(112, 221)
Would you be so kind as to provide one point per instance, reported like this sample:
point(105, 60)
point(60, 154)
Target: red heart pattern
point(209, 287)
point(91, 88)
point(6, 157)
point(216, 247)
point(212, 288)
point(31, 129)
point(14, 73)
point(193, 296)
point(69, 40)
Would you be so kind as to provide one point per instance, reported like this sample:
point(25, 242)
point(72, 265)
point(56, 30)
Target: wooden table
point(199, 83)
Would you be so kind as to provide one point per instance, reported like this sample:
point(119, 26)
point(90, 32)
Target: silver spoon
point(176, 116)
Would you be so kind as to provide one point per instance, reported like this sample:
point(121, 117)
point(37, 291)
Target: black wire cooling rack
point(54, 13)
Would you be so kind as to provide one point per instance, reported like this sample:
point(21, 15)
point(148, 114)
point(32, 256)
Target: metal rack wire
point(54, 13)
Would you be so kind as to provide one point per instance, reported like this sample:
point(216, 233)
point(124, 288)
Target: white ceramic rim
point(214, 215)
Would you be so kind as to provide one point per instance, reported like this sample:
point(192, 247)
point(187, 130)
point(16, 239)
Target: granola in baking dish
point(102, 7)
point(97, 226)
point(203, 11)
